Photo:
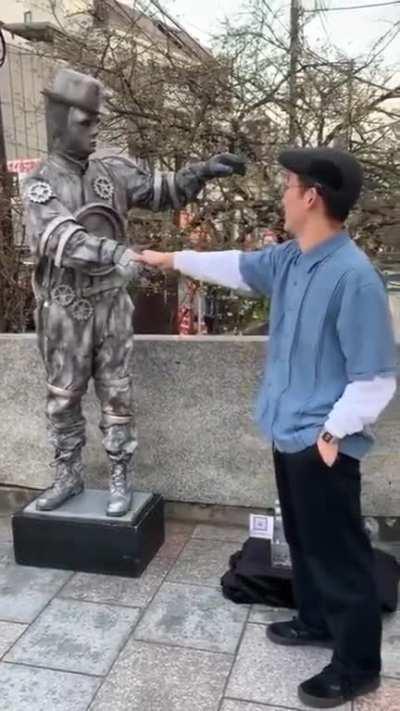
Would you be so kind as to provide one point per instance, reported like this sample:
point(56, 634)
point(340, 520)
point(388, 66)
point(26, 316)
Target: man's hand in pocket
point(328, 451)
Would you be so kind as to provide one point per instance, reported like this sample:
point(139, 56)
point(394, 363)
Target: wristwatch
point(328, 437)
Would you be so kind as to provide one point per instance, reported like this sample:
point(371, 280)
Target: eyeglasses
point(316, 186)
point(287, 187)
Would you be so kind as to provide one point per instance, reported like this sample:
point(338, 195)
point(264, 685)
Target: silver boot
point(68, 482)
point(120, 499)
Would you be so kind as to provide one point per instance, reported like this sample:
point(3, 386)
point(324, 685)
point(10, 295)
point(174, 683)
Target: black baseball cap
point(337, 172)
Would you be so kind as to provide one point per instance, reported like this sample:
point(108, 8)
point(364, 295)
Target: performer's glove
point(220, 166)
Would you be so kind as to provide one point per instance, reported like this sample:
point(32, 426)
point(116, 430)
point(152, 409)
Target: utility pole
point(294, 53)
point(6, 233)
point(344, 137)
point(350, 90)
point(5, 198)
point(3, 157)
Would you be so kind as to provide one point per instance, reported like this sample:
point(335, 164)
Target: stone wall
point(197, 441)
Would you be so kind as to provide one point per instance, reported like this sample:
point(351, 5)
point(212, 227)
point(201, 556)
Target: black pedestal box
point(79, 536)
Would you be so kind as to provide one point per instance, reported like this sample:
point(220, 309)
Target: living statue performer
point(76, 209)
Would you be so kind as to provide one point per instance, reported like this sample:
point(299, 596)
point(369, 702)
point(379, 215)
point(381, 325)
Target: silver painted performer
point(75, 212)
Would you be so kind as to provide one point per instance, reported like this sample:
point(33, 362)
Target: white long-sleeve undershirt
point(360, 405)
point(222, 268)
point(362, 401)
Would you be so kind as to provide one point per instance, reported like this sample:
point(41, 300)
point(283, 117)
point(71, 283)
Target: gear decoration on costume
point(63, 295)
point(103, 187)
point(82, 310)
point(40, 193)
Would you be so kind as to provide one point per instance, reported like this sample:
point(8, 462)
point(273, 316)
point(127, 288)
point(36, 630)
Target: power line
point(320, 8)
point(356, 7)
point(193, 40)
point(274, 13)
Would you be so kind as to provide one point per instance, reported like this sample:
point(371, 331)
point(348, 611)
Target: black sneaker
point(295, 633)
point(329, 689)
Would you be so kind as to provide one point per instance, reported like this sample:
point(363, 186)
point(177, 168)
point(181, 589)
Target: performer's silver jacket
point(76, 214)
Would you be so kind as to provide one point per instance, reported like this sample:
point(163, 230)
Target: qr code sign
point(261, 526)
point(260, 523)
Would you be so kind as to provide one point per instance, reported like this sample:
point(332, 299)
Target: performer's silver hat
point(79, 90)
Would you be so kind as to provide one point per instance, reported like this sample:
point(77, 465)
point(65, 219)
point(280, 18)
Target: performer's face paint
point(81, 134)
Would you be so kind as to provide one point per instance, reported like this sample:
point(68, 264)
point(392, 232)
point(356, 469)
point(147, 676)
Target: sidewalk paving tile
point(183, 528)
point(6, 553)
point(75, 636)
point(25, 591)
point(192, 616)
point(265, 615)
point(5, 528)
point(391, 646)
point(151, 677)
point(9, 633)
point(270, 674)
point(131, 592)
point(233, 534)
point(177, 534)
point(202, 562)
point(173, 546)
point(233, 705)
point(387, 698)
point(30, 689)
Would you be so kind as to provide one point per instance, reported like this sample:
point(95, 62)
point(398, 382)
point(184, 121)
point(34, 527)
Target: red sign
point(22, 165)
point(185, 218)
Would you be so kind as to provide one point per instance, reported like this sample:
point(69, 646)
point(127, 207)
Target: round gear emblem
point(82, 310)
point(103, 188)
point(40, 192)
point(63, 295)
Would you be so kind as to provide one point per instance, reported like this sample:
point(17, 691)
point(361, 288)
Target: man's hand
point(130, 256)
point(222, 165)
point(127, 265)
point(328, 451)
point(159, 260)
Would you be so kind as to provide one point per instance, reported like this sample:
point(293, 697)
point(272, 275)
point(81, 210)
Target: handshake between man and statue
point(75, 211)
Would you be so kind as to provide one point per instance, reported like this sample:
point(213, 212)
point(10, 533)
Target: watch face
point(327, 437)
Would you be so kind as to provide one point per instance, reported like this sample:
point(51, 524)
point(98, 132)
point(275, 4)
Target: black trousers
point(331, 556)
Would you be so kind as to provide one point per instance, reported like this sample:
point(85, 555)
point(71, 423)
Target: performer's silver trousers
point(74, 351)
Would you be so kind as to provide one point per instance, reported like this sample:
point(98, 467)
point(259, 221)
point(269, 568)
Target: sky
point(352, 30)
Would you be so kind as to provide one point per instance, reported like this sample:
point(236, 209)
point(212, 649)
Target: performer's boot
point(120, 498)
point(68, 482)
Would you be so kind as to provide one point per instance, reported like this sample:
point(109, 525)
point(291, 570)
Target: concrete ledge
point(197, 443)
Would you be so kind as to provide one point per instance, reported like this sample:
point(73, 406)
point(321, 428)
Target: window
point(28, 18)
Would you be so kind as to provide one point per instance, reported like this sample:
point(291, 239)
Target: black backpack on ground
point(252, 579)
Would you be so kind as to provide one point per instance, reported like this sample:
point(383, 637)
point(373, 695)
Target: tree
point(171, 100)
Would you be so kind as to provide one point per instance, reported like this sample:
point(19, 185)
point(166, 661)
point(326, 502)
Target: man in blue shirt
point(330, 373)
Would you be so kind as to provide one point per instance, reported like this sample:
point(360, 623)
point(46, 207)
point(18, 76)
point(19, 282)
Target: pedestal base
point(79, 536)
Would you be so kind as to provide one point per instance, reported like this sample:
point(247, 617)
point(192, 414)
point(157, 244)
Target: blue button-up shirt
point(330, 325)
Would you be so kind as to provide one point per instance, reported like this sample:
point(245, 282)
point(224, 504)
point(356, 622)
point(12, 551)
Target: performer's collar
point(78, 165)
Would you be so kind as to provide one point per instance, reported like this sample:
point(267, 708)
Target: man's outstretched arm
point(220, 268)
point(251, 273)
